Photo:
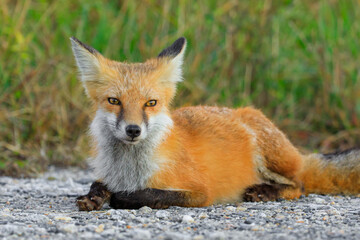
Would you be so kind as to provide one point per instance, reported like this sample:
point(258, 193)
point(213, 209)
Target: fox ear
point(87, 60)
point(175, 55)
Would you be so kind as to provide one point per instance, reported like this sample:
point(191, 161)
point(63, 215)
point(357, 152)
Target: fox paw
point(262, 192)
point(89, 203)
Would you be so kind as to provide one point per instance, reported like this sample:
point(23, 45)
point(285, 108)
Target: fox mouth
point(130, 141)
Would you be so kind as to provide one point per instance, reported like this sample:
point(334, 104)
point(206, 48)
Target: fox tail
point(334, 173)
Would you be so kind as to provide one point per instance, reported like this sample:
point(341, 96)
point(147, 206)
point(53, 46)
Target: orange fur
point(211, 159)
point(319, 176)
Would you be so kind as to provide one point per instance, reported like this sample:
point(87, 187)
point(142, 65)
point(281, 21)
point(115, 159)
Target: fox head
point(132, 98)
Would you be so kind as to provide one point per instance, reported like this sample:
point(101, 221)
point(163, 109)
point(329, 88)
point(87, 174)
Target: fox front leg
point(95, 199)
point(156, 198)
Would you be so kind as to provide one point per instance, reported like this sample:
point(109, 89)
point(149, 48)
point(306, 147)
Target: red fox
point(146, 155)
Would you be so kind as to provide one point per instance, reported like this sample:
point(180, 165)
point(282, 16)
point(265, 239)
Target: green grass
point(296, 60)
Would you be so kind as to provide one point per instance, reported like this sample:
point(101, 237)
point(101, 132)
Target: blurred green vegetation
point(298, 61)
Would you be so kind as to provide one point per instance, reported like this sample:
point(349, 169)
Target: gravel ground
point(45, 208)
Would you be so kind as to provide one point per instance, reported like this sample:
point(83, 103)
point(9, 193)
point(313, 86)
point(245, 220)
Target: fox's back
point(219, 124)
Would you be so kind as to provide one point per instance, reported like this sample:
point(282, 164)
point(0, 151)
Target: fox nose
point(133, 131)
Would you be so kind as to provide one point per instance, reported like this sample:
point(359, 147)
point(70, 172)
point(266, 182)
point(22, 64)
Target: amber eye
point(114, 101)
point(150, 103)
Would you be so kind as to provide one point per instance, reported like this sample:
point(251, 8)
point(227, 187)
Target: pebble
point(230, 208)
point(333, 211)
point(176, 236)
point(203, 215)
point(70, 228)
point(162, 214)
point(67, 219)
point(241, 208)
point(319, 200)
point(108, 232)
point(217, 236)
point(100, 228)
point(198, 237)
point(111, 212)
point(263, 215)
point(145, 209)
point(142, 234)
point(187, 219)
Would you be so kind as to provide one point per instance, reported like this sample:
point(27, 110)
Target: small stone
point(217, 236)
point(87, 235)
point(145, 209)
point(187, 219)
point(313, 207)
point(198, 237)
point(110, 231)
point(203, 215)
point(162, 214)
point(69, 228)
point(241, 208)
point(191, 213)
point(247, 221)
point(111, 212)
point(320, 200)
point(100, 228)
point(175, 236)
point(63, 218)
point(333, 211)
point(263, 215)
point(230, 208)
point(119, 214)
point(141, 234)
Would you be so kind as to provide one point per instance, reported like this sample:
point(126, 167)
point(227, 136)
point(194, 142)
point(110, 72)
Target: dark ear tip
point(87, 47)
point(181, 40)
point(174, 49)
point(72, 38)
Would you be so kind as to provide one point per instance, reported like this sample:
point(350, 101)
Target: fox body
point(145, 154)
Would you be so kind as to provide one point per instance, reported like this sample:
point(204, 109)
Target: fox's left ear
point(88, 62)
point(175, 55)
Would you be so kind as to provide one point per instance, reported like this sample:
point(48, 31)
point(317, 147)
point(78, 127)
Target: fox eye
point(150, 103)
point(114, 101)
